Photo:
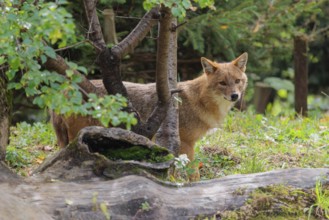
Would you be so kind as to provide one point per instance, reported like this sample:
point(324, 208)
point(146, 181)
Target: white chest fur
point(216, 119)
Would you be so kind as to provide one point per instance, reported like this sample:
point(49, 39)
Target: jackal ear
point(241, 61)
point(208, 66)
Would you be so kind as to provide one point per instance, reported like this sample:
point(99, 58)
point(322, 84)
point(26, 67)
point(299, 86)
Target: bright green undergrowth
point(250, 143)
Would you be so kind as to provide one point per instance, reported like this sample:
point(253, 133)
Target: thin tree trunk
point(110, 36)
point(168, 134)
point(5, 112)
point(301, 74)
point(162, 87)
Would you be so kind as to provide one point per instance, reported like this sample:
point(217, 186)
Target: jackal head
point(227, 80)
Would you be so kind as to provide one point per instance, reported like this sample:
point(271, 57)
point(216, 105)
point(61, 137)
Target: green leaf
point(11, 74)
point(187, 4)
point(69, 73)
point(2, 60)
point(50, 52)
point(43, 59)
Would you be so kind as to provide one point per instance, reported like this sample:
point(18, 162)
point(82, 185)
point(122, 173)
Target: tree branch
point(94, 31)
point(128, 44)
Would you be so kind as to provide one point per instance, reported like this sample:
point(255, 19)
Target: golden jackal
point(205, 102)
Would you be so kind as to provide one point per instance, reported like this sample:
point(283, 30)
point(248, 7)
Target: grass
point(29, 146)
point(321, 205)
point(250, 143)
point(247, 143)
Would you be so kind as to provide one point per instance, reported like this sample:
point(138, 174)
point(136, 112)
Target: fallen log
point(136, 197)
point(77, 183)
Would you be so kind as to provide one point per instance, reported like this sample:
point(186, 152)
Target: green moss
point(273, 202)
point(140, 153)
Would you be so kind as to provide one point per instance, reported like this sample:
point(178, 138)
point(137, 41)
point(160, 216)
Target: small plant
point(181, 161)
point(182, 168)
point(321, 204)
point(145, 206)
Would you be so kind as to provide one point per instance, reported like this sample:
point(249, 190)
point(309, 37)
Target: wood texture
point(301, 74)
point(168, 133)
point(124, 197)
point(5, 114)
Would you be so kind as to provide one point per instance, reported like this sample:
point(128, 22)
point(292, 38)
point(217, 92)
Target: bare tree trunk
point(109, 27)
point(168, 134)
point(159, 113)
point(5, 112)
point(301, 74)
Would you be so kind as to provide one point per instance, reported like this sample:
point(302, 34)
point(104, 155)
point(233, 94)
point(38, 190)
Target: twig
point(73, 45)
point(175, 27)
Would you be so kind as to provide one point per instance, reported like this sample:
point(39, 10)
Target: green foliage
point(264, 29)
point(107, 110)
point(29, 34)
point(178, 8)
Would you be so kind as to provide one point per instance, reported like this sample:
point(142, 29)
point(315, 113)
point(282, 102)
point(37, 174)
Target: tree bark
point(168, 134)
point(155, 120)
point(110, 36)
point(264, 94)
point(301, 74)
point(124, 197)
point(5, 114)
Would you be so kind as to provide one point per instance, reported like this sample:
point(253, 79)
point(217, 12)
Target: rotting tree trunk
point(301, 74)
point(5, 114)
point(168, 134)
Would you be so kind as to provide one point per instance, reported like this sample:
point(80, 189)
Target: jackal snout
point(234, 97)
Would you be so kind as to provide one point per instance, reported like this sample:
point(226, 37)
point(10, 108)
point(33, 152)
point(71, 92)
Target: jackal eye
point(237, 81)
point(223, 83)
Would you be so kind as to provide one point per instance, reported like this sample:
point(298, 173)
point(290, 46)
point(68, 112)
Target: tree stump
point(264, 94)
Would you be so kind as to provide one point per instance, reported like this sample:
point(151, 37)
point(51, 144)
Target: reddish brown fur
point(204, 102)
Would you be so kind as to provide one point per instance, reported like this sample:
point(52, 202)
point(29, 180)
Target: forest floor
point(247, 143)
